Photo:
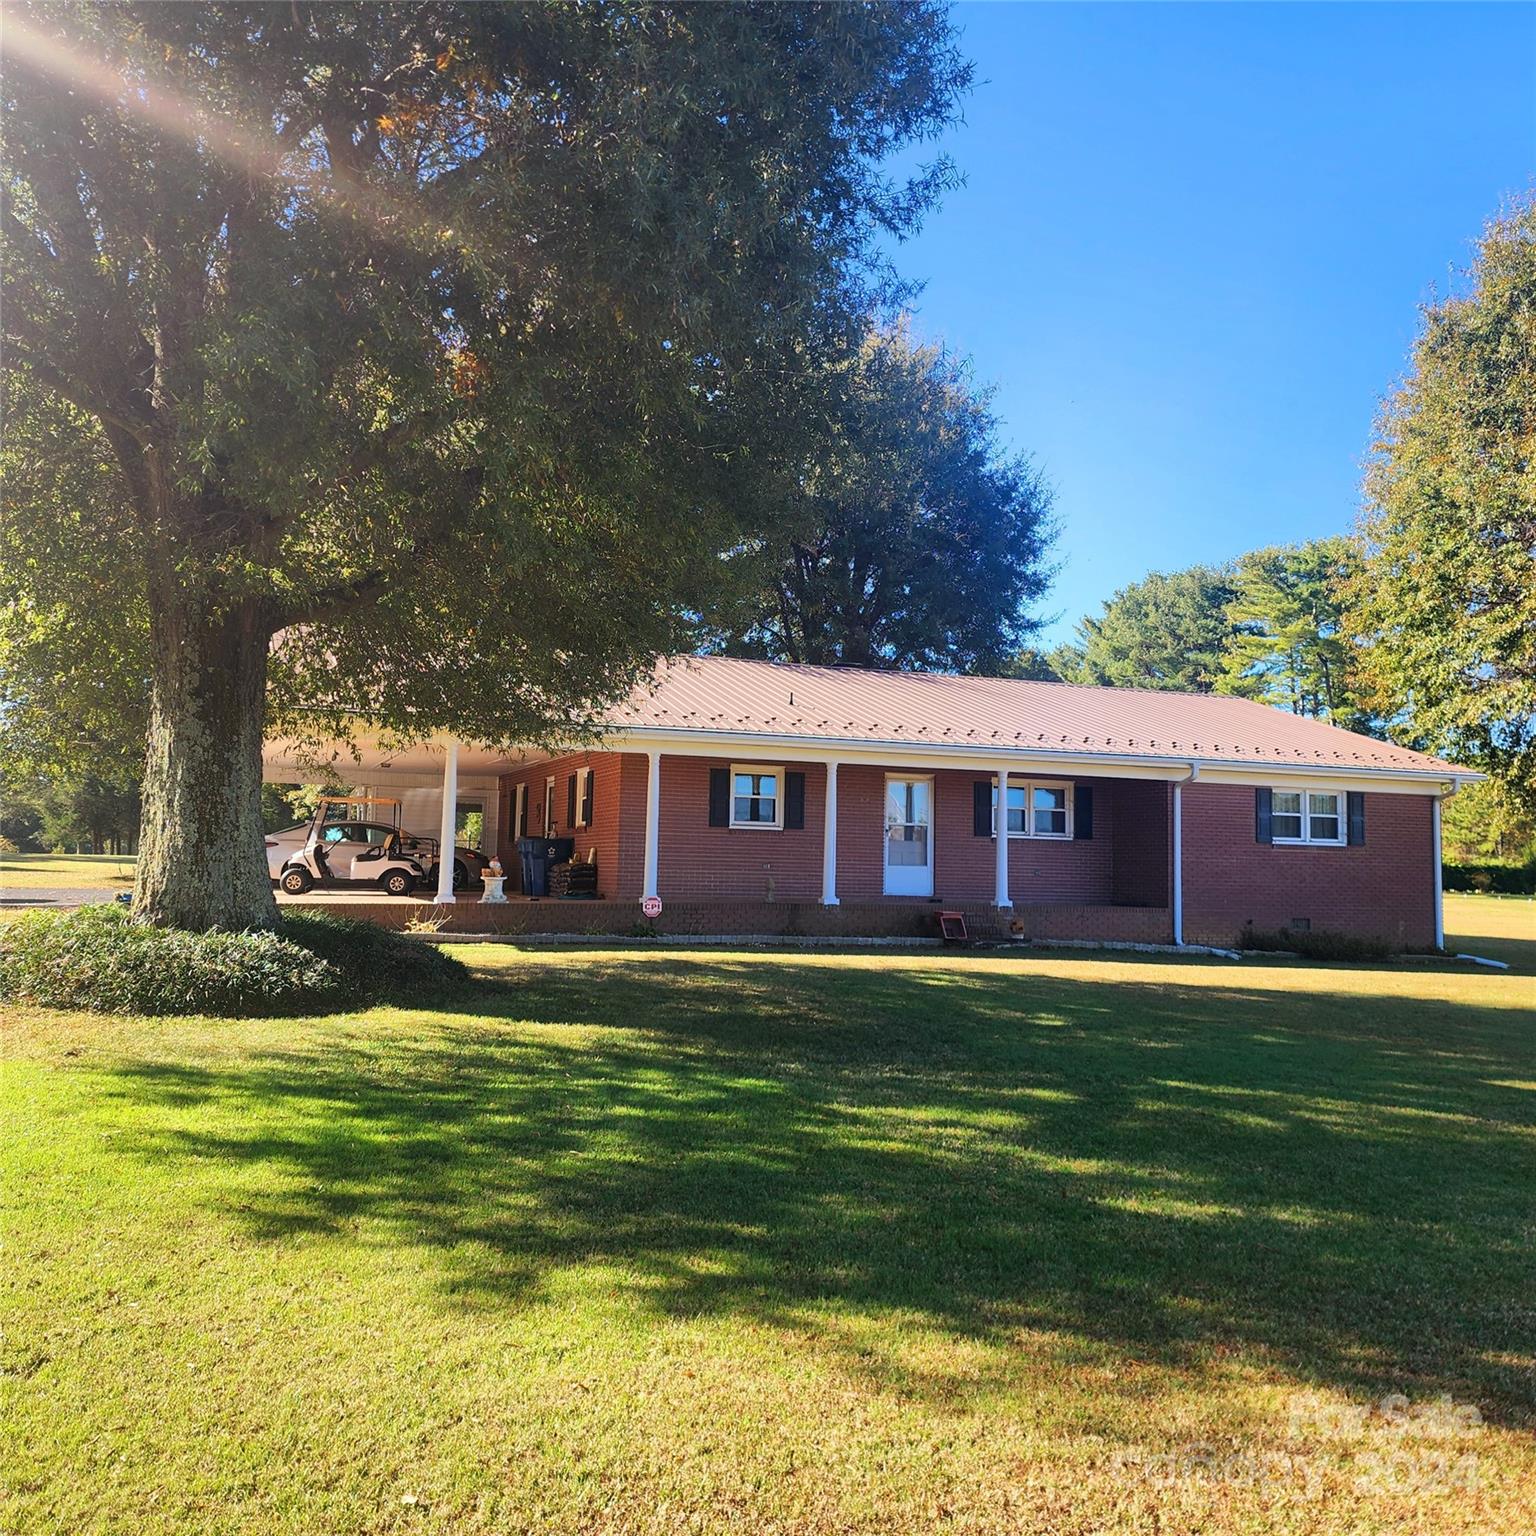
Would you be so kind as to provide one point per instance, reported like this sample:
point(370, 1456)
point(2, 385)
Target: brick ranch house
point(759, 798)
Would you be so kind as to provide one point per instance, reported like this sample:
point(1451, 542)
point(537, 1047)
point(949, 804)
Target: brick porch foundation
point(853, 919)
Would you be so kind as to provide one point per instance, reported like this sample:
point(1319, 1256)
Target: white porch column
point(448, 824)
point(829, 842)
point(1439, 877)
point(652, 822)
point(1000, 837)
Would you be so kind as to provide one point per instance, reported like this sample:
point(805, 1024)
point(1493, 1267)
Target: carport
point(432, 779)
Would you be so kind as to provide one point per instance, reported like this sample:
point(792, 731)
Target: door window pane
point(1050, 807)
point(906, 845)
point(1285, 820)
point(906, 802)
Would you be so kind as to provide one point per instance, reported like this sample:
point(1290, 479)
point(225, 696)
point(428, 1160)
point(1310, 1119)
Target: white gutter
point(1178, 852)
point(816, 748)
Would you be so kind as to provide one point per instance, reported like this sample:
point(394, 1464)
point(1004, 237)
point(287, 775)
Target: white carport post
point(448, 826)
point(829, 841)
point(652, 821)
point(1000, 837)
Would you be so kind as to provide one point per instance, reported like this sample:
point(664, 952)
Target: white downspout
point(448, 824)
point(1439, 865)
point(1178, 853)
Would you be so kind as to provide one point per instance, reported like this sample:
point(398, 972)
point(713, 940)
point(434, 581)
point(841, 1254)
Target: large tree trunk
point(202, 862)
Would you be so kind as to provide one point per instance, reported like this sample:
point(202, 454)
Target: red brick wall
point(607, 834)
point(1143, 844)
point(696, 860)
point(1384, 889)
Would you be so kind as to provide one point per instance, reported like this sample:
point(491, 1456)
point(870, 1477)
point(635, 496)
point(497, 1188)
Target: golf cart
point(346, 848)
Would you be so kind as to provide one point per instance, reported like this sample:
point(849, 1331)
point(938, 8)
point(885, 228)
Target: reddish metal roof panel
point(832, 704)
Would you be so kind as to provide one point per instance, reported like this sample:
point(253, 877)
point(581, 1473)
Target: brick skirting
point(853, 919)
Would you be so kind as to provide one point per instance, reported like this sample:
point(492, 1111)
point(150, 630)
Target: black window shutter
point(719, 797)
point(981, 807)
point(570, 802)
point(794, 800)
point(522, 828)
point(1263, 815)
point(1356, 819)
point(1082, 805)
point(586, 799)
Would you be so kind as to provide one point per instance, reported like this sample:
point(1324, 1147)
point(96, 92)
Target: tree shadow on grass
point(1338, 1185)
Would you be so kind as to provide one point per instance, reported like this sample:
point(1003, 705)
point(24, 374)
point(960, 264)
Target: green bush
point(1499, 879)
point(376, 965)
point(99, 959)
point(1316, 945)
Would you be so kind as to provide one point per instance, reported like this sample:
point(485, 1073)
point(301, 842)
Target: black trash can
point(536, 854)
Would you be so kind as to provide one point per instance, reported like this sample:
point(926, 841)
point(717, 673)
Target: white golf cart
point(350, 846)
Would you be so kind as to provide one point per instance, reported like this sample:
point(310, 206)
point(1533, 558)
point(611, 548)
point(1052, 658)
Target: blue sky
point(1192, 245)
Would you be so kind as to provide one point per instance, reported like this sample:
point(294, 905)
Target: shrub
point(99, 959)
point(375, 964)
point(1499, 879)
point(1316, 944)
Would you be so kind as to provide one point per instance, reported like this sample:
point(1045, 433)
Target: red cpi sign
point(651, 906)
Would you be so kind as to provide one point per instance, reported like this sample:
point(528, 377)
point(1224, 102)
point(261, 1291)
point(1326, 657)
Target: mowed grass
point(1495, 927)
point(66, 871)
point(734, 1242)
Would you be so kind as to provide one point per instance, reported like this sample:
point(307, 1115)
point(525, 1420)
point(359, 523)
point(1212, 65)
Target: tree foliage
point(434, 339)
point(1168, 631)
point(1445, 600)
point(1286, 644)
point(912, 540)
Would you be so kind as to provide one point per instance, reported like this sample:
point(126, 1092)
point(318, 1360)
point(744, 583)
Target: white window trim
point(549, 806)
point(519, 811)
point(779, 777)
point(583, 794)
point(1306, 840)
point(1029, 787)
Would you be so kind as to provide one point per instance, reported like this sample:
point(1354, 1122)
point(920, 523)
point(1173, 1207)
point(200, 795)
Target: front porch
point(785, 841)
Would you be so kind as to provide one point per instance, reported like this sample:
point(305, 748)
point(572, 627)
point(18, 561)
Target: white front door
point(908, 837)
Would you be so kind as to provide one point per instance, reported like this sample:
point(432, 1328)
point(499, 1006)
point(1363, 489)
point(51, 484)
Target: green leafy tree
point(1286, 645)
point(437, 340)
point(1485, 823)
point(1445, 601)
point(1167, 631)
point(914, 540)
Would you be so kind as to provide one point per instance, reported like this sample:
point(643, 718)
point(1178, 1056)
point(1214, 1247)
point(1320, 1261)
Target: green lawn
point(61, 871)
point(708, 1242)
point(1496, 927)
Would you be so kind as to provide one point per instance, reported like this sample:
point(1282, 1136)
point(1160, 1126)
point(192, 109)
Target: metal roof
point(825, 705)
